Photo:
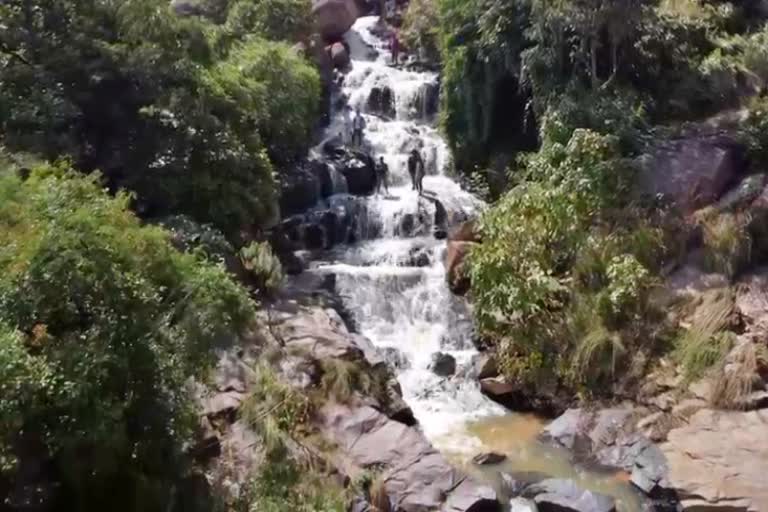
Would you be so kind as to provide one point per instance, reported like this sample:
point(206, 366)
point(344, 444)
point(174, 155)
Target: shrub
point(102, 322)
point(263, 265)
point(559, 283)
point(706, 342)
point(282, 485)
point(419, 30)
point(271, 19)
point(727, 242)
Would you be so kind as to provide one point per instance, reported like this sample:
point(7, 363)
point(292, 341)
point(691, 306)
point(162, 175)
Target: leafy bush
point(282, 485)
point(280, 414)
point(560, 286)
point(419, 30)
point(101, 323)
point(150, 100)
point(272, 19)
point(263, 265)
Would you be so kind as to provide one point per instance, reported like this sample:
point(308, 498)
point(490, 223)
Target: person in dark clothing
point(394, 48)
point(358, 125)
point(382, 176)
point(416, 170)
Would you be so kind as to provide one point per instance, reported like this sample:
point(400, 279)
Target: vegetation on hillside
point(139, 150)
point(190, 115)
point(550, 102)
point(102, 322)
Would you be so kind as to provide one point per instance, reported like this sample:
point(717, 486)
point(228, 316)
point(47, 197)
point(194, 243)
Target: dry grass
point(727, 242)
point(705, 343)
point(378, 495)
point(738, 376)
point(342, 379)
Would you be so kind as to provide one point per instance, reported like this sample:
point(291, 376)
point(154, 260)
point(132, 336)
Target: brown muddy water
point(515, 435)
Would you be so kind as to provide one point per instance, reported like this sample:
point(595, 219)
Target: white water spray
point(395, 285)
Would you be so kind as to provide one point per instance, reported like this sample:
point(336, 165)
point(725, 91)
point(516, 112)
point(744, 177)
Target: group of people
point(416, 171)
point(416, 168)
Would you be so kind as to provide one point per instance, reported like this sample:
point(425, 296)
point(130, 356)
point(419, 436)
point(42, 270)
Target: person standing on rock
point(358, 125)
point(416, 169)
point(382, 176)
point(394, 48)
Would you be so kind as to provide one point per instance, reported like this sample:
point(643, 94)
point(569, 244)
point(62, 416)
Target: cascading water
point(395, 285)
point(393, 282)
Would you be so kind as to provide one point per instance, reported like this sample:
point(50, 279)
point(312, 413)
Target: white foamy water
point(395, 285)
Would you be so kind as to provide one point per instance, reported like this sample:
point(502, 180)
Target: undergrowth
point(706, 341)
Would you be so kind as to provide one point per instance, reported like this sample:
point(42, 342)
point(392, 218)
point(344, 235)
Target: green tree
point(101, 324)
point(127, 88)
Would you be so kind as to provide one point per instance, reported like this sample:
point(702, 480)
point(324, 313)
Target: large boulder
point(339, 55)
point(443, 365)
point(693, 170)
point(608, 437)
point(717, 461)
point(544, 400)
point(416, 478)
point(381, 101)
point(455, 266)
point(358, 168)
point(334, 17)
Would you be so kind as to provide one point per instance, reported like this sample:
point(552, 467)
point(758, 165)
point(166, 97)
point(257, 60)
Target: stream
point(395, 289)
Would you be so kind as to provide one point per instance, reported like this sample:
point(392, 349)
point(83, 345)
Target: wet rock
point(694, 170)
point(717, 461)
point(470, 497)
point(416, 477)
point(334, 17)
point(358, 171)
point(382, 101)
point(558, 495)
point(543, 399)
point(439, 233)
point(419, 257)
point(339, 55)
point(489, 459)
point(395, 358)
point(427, 100)
point(407, 225)
point(482, 366)
point(466, 232)
point(313, 236)
point(486, 365)
point(455, 265)
point(299, 190)
point(443, 365)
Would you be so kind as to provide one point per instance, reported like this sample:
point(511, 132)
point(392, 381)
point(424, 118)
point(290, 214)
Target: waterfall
point(394, 285)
